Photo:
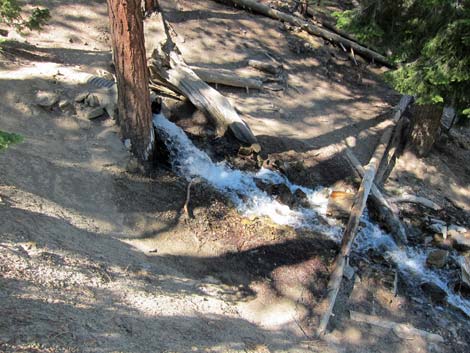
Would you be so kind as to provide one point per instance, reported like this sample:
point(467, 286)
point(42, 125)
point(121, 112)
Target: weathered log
point(348, 238)
point(167, 65)
point(270, 67)
point(405, 331)
point(385, 211)
point(311, 12)
point(397, 141)
point(360, 203)
point(172, 69)
point(224, 77)
point(393, 152)
point(309, 27)
point(416, 199)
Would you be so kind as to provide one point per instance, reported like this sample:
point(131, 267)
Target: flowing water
point(240, 186)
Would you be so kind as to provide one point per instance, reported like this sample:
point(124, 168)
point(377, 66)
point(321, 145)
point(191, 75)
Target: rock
point(46, 99)
point(128, 144)
point(256, 148)
point(301, 199)
point(81, 97)
point(349, 272)
point(427, 241)
point(64, 103)
point(437, 258)
point(133, 166)
point(435, 220)
point(106, 75)
point(464, 262)
point(442, 243)
point(91, 113)
point(283, 194)
point(244, 151)
point(454, 229)
point(92, 100)
point(434, 292)
point(340, 203)
point(438, 228)
point(461, 241)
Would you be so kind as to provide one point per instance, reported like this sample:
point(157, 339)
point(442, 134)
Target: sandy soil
point(97, 259)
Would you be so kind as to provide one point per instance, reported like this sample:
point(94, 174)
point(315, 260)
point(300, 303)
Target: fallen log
point(166, 65)
point(270, 67)
point(224, 77)
point(405, 331)
point(394, 150)
point(386, 213)
point(331, 27)
point(309, 27)
point(350, 232)
point(416, 199)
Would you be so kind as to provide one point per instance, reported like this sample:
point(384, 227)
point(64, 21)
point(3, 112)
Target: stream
point(241, 187)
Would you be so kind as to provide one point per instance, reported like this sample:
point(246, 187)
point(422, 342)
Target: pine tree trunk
point(135, 116)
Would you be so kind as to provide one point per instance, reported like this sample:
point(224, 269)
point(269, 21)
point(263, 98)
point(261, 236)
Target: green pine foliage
point(428, 39)
point(10, 14)
point(7, 139)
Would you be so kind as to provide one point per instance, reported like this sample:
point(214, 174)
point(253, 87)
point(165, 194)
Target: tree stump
point(425, 123)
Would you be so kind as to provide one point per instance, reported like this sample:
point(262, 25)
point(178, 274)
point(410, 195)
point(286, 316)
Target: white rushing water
point(190, 162)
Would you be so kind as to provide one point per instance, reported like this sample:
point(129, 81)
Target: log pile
point(168, 69)
point(349, 234)
point(309, 27)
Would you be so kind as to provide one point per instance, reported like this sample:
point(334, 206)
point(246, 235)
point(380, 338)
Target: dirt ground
point(95, 258)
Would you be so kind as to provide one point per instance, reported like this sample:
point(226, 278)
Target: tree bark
point(135, 115)
point(150, 6)
point(425, 123)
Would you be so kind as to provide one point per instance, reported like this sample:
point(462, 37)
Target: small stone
point(434, 292)
point(301, 198)
point(456, 228)
point(340, 204)
point(283, 194)
point(46, 99)
point(106, 75)
point(437, 227)
point(427, 241)
point(91, 113)
point(256, 148)
point(92, 100)
point(437, 258)
point(349, 272)
point(128, 144)
point(464, 262)
point(64, 103)
point(133, 166)
point(461, 241)
point(81, 97)
point(244, 151)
